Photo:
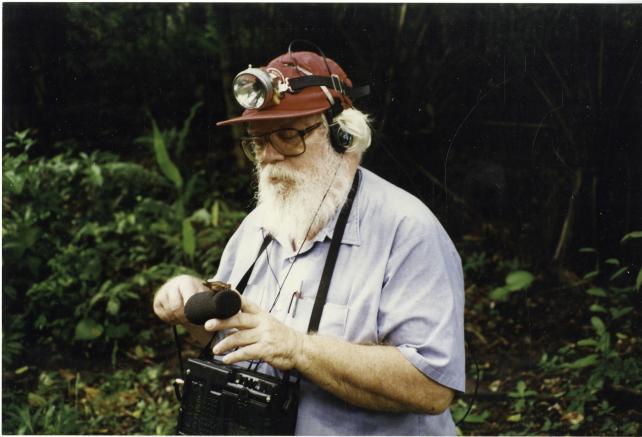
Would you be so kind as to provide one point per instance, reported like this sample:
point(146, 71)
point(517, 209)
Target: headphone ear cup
point(339, 138)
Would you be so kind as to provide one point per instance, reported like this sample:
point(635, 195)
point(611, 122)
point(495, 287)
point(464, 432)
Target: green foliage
point(515, 281)
point(459, 408)
point(607, 358)
point(87, 239)
point(174, 140)
point(68, 402)
point(162, 158)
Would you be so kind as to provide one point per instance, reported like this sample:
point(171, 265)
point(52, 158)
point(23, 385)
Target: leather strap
point(299, 83)
point(331, 260)
point(246, 277)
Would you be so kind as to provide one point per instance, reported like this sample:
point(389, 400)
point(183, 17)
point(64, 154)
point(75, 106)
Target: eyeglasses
point(287, 141)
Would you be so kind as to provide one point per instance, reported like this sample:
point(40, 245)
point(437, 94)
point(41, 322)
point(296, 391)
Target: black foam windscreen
point(212, 305)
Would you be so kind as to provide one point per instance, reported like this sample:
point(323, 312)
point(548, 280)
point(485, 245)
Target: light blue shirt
point(398, 280)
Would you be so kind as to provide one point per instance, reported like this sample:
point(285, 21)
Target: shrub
point(86, 240)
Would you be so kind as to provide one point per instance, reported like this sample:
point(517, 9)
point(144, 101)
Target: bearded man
point(388, 351)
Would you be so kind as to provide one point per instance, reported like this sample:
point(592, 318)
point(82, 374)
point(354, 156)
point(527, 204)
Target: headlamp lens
point(249, 91)
point(253, 88)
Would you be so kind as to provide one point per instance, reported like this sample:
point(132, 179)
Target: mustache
point(278, 171)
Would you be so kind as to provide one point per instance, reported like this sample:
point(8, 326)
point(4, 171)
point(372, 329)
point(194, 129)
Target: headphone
point(340, 139)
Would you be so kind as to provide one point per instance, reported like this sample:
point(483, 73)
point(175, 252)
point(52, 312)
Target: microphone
point(209, 304)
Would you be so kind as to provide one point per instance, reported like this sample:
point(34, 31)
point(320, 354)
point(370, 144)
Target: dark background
point(518, 125)
point(501, 106)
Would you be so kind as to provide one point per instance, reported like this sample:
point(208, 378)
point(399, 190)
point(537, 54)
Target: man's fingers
point(251, 352)
point(174, 301)
point(158, 308)
point(237, 339)
point(161, 311)
point(240, 321)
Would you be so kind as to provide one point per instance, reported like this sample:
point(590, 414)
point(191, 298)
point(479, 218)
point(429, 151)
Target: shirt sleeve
point(422, 301)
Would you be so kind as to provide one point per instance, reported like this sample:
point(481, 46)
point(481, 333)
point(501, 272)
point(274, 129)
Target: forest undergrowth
point(87, 238)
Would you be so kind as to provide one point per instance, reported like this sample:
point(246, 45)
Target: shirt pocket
point(333, 318)
point(259, 294)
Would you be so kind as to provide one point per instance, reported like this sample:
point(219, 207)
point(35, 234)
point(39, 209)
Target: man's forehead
point(270, 125)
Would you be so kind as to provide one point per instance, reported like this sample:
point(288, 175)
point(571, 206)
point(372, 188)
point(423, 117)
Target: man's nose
point(270, 154)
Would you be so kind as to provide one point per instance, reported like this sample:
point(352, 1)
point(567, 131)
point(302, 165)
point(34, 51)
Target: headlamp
point(255, 88)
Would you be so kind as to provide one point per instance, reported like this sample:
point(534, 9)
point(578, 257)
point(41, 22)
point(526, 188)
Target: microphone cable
point(178, 351)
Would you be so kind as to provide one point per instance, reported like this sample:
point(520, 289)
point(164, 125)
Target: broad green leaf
point(591, 275)
point(596, 291)
point(521, 386)
point(21, 370)
point(543, 359)
point(500, 294)
point(619, 312)
point(632, 235)
point(13, 181)
point(547, 425)
point(598, 324)
point(604, 342)
point(587, 342)
point(113, 306)
point(95, 175)
point(597, 308)
point(588, 360)
point(88, 329)
point(189, 239)
point(215, 215)
point(191, 186)
point(162, 158)
point(618, 273)
point(477, 418)
point(613, 261)
point(101, 294)
point(35, 400)
point(638, 280)
point(138, 351)
point(514, 417)
point(182, 135)
point(519, 280)
point(587, 250)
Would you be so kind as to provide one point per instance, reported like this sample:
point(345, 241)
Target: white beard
point(290, 197)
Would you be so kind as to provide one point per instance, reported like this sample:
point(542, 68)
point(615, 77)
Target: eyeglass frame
point(302, 133)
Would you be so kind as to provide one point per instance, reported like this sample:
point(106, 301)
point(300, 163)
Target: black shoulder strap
point(331, 260)
point(246, 277)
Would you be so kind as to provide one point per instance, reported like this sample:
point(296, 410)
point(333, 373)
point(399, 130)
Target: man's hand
point(259, 336)
point(169, 302)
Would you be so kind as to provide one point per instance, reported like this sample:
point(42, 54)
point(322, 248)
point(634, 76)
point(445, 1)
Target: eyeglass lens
point(287, 142)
